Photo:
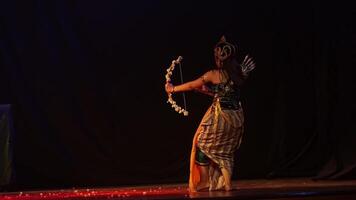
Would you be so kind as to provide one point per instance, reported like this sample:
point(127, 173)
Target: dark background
point(86, 81)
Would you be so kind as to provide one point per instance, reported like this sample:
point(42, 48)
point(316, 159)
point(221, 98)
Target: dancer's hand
point(169, 87)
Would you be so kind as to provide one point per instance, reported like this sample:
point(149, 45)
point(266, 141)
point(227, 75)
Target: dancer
point(220, 131)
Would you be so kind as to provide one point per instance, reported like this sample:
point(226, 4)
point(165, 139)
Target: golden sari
point(218, 136)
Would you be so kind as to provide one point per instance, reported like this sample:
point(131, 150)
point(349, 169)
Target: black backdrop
point(86, 80)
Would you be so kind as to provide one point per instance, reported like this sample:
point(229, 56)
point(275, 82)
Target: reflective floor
point(244, 189)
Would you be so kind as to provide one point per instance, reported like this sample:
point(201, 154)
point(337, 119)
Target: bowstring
point(181, 80)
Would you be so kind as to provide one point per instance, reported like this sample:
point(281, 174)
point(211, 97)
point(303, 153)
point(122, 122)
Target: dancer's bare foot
point(228, 187)
point(203, 186)
point(227, 178)
point(192, 190)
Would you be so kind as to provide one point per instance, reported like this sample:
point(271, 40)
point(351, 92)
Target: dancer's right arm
point(191, 85)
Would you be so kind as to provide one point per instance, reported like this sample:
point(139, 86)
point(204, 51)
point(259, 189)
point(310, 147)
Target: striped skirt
point(218, 137)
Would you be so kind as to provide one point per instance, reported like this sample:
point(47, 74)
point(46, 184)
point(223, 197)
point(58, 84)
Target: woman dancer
point(220, 131)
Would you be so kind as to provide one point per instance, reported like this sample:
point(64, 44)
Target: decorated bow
point(170, 100)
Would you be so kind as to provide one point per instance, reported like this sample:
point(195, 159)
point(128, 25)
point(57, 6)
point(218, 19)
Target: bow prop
point(170, 100)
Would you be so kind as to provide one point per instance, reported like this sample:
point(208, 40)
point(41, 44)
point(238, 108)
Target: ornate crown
point(225, 49)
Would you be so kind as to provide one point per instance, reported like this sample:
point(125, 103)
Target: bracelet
point(173, 89)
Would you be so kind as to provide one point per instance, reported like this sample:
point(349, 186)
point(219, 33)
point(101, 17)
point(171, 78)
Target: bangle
point(173, 89)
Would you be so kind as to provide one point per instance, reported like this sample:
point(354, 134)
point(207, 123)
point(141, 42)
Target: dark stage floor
point(295, 189)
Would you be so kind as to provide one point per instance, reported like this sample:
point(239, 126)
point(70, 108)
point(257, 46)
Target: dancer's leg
point(227, 177)
point(204, 177)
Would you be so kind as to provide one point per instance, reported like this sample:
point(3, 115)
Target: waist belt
point(229, 106)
